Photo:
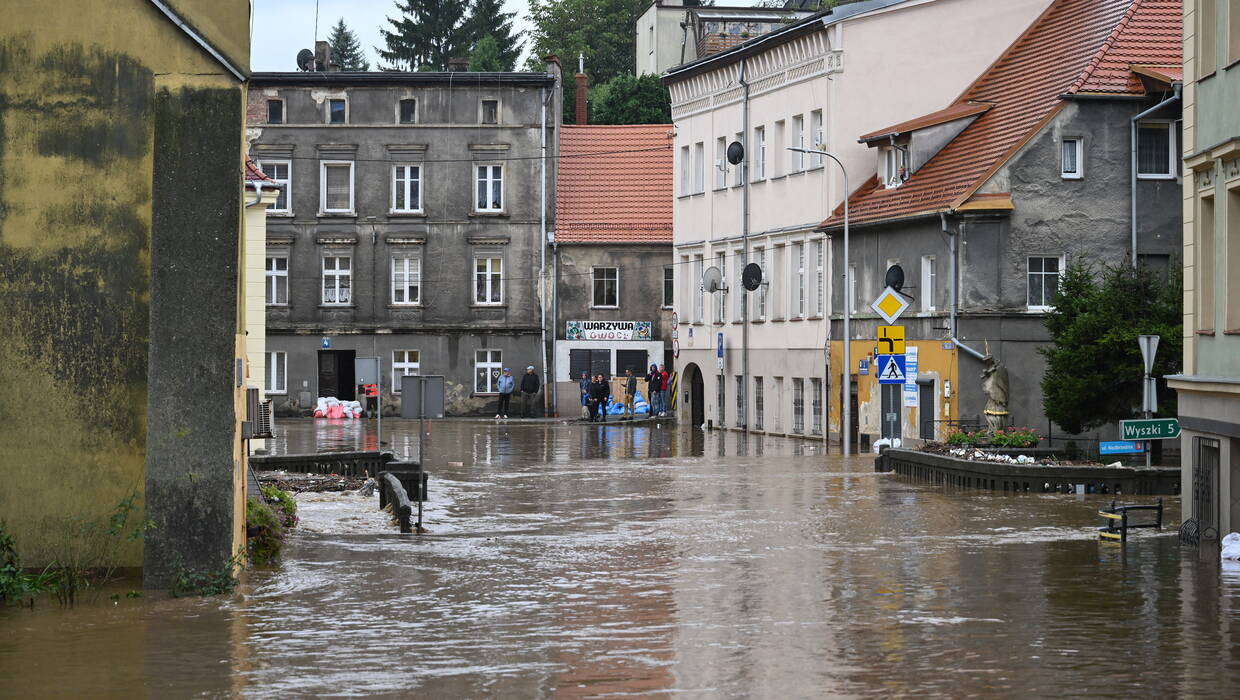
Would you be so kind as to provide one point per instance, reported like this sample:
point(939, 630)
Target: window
point(778, 281)
point(816, 402)
point(721, 163)
point(406, 279)
point(779, 141)
point(798, 405)
point(798, 294)
point(892, 166)
point(686, 167)
point(1043, 281)
point(275, 111)
point(669, 286)
point(742, 297)
point(796, 159)
point(337, 279)
point(779, 395)
point(336, 192)
point(699, 167)
point(279, 170)
point(1233, 31)
point(758, 408)
point(852, 288)
point(820, 287)
point(1207, 36)
point(721, 297)
point(1155, 150)
point(699, 306)
point(721, 398)
point(277, 280)
point(759, 138)
point(487, 367)
point(760, 258)
point(815, 126)
point(407, 111)
point(406, 188)
point(738, 177)
point(740, 401)
point(490, 180)
point(337, 111)
point(276, 381)
point(606, 287)
point(929, 282)
point(1070, 159)
point(405, 363)
point(490, 111)
point(488, 281)
point(1205, 258)
point(1231, 280)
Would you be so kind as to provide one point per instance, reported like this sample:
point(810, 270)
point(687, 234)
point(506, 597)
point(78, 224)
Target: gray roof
point(358, 78)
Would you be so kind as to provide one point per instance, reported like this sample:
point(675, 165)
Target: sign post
point(1149, 394)
point(1149, 429)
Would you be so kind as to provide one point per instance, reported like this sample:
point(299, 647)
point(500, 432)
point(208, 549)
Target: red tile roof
point(614, 184)
point(951, 114)
point(1074, 43)
point(253, 174)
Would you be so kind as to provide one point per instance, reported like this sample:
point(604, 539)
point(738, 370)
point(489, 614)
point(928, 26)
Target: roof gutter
point(198, 39)
point(1132, 175)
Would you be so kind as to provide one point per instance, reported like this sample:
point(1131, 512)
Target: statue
point(995, 386)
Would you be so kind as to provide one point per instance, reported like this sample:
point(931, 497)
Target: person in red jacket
point(654, 387)
point(663, 394)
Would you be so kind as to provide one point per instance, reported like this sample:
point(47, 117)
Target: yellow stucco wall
point(934, 361)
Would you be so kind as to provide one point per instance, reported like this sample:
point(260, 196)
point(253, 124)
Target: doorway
point(925, 408)
point(336, 374)
point(697, 396)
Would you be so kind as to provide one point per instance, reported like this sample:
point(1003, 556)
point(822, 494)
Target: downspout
point(953, 291)
point(744, 244)
point(1132, 175)
point(258, 194)
point(548, 393)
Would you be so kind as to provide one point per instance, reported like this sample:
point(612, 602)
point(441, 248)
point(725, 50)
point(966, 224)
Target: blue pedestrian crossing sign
point(891, 369)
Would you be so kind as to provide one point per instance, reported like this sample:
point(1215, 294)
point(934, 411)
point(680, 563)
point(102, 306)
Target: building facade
point(672, 32)
point(613, 269)
point(804, 85)
point(984, 203)
point(1209, 389)
point(410, 228)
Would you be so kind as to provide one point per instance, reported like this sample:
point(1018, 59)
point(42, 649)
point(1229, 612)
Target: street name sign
point(1150, 429)
point(1121, 448)
point(890, 304)
point(891, 369)
point(891, 340)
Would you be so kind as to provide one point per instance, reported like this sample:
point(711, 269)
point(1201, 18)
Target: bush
point(1014, 437)
point(957, 437)
point(15, 585)
point(267, 524)
point(204, 583)
point(287, 506)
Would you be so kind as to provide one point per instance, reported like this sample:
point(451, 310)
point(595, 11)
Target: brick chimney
point(583, 92)
point(458, 65)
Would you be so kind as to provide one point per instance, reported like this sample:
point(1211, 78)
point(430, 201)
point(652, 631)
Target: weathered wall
point(641, 285)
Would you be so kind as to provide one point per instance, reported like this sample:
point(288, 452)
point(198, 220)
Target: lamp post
point(845, 402)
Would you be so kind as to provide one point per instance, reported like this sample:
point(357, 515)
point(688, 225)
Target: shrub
point(15, 585)
point(1014, 437)
point(204, 583)
point(957, 437)
point(268, 522)
point(286, 505)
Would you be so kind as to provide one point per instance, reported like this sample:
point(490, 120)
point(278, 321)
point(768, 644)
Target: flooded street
point(588, 561)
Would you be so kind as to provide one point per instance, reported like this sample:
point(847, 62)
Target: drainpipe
point(744, 244)
point(1132, 175)
point(953, 288)
point(258, 194)
point(549, 389)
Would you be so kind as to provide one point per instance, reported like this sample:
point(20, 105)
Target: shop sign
point(609, 330)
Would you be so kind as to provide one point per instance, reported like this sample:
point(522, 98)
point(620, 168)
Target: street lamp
point(845, 402)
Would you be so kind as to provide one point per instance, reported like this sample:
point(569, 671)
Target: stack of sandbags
point(332, 407)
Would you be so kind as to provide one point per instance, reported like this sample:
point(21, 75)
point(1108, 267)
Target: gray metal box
point(421, 392)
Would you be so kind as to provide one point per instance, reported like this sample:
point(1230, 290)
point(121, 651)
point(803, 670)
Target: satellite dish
point(736, 152)
point(895, 277)
point(305, 60)
point(751, 276)
point(712, 280)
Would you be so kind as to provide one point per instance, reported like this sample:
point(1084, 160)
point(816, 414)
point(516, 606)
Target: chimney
point(322, 56)
point(458, 65)
point(583, 91)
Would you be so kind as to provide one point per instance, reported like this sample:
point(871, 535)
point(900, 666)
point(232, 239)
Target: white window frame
point(891, 158)
point(738, 268)
point(401, 100)
point(815, 126)
point(492, 361)
point(797, 298)
point(699, 308)
point(327, 110)
point(276, 360)
point(1028, 272)
point(1078, 146)
point(930, 282)
point(721, 296)
point(1172, 150)
point(594, 283)
point(721, 163)
point(402, 366)
point(490, 180)
point(760, 143)
point(287, 181)
point(686, 168)
point(738, 178)
point(272, 277)
point(492, 277)
point(283, 110)
point(760, 258)
point(796, 159)
point(323, 166)
point(669, 302)
point(482, 111)
point(777, 169)
point(337, 274)
point(820, 280)
point(699, 167)
point(408, 186)
point(404, 266)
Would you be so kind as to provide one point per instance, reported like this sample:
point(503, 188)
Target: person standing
point(584, 385)
point(529, 389)
point(505, 386)
point(630, 392)
point(599, 391)
point(654, 385)
point(666, 384)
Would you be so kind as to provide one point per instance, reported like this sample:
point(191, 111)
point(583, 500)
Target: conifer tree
point(346, 50)
point(487, 18)
point(426, 34)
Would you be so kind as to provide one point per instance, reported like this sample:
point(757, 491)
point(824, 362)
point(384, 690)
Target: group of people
point(529, 389)
point(596, 393)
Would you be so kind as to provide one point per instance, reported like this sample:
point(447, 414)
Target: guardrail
point(355, 464)
point(402, 489)
point(1118, 523)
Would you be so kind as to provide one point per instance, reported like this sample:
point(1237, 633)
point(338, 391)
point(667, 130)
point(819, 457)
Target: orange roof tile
point(951, 114)
point(1073, 43)
point(253, 174)
point(614, 184)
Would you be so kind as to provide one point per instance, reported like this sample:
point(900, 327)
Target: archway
point(695, 395)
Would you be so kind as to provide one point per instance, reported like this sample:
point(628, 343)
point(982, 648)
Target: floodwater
point(603, 561)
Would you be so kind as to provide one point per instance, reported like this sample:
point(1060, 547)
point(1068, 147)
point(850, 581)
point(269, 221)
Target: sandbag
point(1231, 546)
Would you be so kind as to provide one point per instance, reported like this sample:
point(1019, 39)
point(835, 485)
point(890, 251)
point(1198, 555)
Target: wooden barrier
point(393, 492)
point(354, 464)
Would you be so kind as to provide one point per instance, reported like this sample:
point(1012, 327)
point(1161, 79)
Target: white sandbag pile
point(1231, 546)
point(332, 407)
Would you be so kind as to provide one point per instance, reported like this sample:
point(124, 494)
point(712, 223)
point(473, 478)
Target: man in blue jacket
point(505, 386)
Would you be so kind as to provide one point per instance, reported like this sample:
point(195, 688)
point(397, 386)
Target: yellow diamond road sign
point(890, 304)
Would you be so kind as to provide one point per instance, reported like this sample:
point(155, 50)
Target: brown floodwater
point(590, 561)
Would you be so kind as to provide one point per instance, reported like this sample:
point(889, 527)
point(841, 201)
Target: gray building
point(410, 229)
point(984, 203)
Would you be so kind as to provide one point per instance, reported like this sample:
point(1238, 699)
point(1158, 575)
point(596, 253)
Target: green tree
point(346, 49)
point(1093, 364)
point(426, 35)
point(487, 19)
point(631, 100)
point(485, 56)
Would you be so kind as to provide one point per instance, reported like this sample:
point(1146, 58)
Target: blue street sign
point(863, 366)
point(891, 369)
point(327, 342)
point(719, 345)
point(1121, 447)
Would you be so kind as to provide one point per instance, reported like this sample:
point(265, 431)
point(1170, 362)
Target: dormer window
point(892, 167)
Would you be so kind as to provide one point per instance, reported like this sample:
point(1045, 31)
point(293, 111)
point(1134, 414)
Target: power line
point(274, 158)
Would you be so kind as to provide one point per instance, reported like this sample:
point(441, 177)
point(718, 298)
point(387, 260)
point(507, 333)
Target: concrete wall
point(120, 181)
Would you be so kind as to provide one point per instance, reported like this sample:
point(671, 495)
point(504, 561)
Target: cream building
point(823, 80)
